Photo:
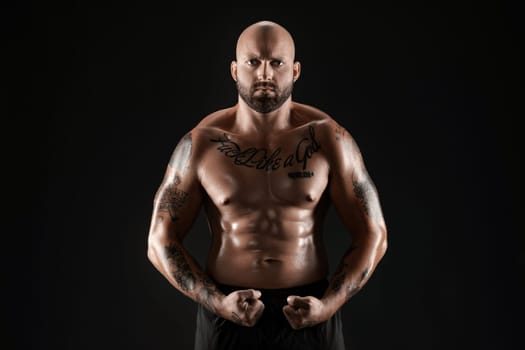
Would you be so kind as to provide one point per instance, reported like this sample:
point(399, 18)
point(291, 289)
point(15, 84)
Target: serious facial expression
point(265, 69)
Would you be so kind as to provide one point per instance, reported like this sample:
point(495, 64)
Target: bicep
point(176, 206)
point(352, 190)
point(356, 200)
point(178, 199)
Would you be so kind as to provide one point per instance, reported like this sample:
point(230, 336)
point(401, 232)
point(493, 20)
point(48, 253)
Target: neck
point(249, 120)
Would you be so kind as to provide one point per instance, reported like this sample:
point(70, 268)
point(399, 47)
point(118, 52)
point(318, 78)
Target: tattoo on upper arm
point(172, 200)
point(365, 192)
point(181, 271)
point(339, 132)
point(181, 155)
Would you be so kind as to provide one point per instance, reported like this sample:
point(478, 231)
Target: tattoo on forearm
point(352, 290)
point(340, 276)
point(338, 281)
point(364, 275)
point(172, 200)
point(267, 160)
point(181, 270)
point(207, 292)
point(340, 272)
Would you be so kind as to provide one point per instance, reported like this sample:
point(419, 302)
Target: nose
point(265, 71)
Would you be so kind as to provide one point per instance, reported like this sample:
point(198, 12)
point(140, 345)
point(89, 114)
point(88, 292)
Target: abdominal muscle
point(258, 252)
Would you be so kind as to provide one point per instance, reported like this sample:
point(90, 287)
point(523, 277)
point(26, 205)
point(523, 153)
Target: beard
point(264, 101)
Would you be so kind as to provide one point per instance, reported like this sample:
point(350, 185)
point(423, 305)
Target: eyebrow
point(253, 55)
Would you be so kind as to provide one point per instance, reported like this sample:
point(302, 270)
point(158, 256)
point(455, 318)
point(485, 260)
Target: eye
point(277, 63)
point(252, 62)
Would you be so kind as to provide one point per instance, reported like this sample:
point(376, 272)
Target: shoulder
point(326, 127)
point(216, 122)
point(220, 118)
point(195, 140)
point(209, 125)
point(336, 142)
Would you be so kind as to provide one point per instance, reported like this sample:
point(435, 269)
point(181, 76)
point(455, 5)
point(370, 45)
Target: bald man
point(266, 170)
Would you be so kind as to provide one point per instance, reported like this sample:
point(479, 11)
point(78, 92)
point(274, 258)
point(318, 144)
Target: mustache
point(264, 84)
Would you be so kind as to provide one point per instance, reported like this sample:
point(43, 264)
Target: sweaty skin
point(266, 170)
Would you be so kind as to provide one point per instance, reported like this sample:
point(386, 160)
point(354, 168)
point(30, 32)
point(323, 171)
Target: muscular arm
point(356, 201)
point(176, 205)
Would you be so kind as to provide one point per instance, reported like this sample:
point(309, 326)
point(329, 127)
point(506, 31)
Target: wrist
point(212, 299)
point(218, 299)
point(330, 304)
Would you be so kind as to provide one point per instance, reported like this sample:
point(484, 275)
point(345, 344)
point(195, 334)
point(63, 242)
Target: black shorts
point(272, 330)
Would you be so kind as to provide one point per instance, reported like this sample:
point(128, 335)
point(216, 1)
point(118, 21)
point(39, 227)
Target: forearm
point(174, 261)
point(353, 272)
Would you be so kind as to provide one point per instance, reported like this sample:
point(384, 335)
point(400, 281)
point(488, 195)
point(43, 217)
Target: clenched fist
point(304, 312)
point(242, 307)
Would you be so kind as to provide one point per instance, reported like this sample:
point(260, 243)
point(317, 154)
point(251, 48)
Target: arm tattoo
point(182, 154)
point(339, 132)
point(364, 189)
point(207, 292)
point(181, 270)
point(353, 288)
point(340, 274)
point(365, 192)
point(340, 277)
point(338, 281)
point(172, 200)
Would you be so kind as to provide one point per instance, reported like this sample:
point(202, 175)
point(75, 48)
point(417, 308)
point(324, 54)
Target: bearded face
point(264, 96)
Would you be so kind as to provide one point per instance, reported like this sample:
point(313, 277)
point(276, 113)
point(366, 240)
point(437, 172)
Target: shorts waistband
point(316, 289)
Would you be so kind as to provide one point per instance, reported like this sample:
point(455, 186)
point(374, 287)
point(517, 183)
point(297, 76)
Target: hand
point(304, 312)
point(242, 307)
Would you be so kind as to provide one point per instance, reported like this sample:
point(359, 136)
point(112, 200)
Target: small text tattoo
point(300, 174)
point(265, 159)
point(236, 318)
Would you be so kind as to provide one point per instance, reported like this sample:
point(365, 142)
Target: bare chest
point(290, 170)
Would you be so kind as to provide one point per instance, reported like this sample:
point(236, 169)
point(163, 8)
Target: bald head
point(265, 68)
point(265, 38)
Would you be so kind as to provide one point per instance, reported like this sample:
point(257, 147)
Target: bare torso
point(265, 201)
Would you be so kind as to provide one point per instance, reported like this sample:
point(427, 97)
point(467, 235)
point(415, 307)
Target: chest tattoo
point(270, 159)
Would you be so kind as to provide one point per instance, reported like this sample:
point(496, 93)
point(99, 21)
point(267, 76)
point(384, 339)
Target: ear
point(296, 70)
point(233, 70)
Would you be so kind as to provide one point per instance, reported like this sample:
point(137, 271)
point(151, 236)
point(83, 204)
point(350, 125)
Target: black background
point(101, 96)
